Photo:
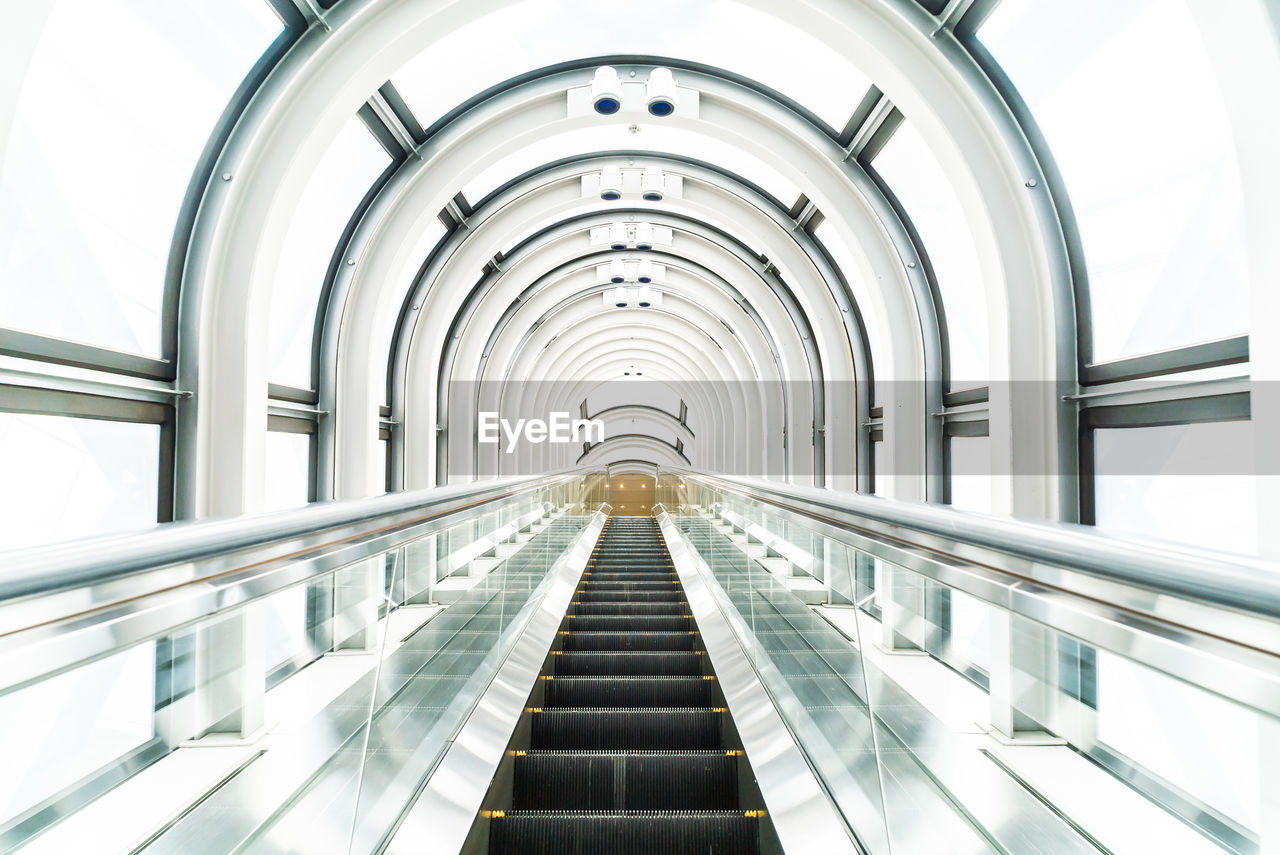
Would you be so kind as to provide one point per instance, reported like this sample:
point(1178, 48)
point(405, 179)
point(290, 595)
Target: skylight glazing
point(116, 103)
point(535, 34)
point(1126, 96)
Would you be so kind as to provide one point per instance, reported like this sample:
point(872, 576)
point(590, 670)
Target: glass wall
point(112, 105)
point(1128, 99)
point(1189, 483)
point(67, 477)
point(288, 473)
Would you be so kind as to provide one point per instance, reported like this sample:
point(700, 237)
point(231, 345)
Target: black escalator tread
point(624, 833)
point(616, 608)
point(608, 596)
point(585, 641)
point(630, 780)
point(601, 663)
point(615, 691)
point(614, 729)
point(630, 585)
point(637, 623)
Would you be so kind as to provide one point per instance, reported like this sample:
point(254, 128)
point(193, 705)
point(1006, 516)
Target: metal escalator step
point(673, 596)
point(630, 780)
point(625, 641)
point(624, 833)
point(630, 584)
point(628, 692)
point(636, 623)
point(640, 664)
point(621, 729)
point(628, 608)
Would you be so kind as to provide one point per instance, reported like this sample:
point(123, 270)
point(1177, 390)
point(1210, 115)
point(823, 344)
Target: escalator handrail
point(37, 570)
point(1250, 585)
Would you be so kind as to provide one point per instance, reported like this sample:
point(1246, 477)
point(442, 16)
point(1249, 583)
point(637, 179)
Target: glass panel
point(286, 627)
point(970, 635)
point(72, 478)
point(880, 466)
point(288, 476)
point(923, 187)
point(617, 137)
point(1186, 483)
point(345, 174)
point(970, 473)
point(67, 727)
point(115, 102)
point(1165, 726)
point(1126, 95)
point(723, 34)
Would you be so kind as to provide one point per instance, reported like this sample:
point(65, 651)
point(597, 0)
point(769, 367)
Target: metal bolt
point(1031, 182)
point(351, 262)
point(633, 72)
point(911, 265)
point(226, 176)
point(635, 129)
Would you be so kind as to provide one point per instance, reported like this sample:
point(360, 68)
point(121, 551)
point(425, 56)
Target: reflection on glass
point(1127, 97)
point(71, 478)
point(347, 170)
point(103, 712)
point(1147, 716)
point(116, 101)
point(725, 34)
point(925, 190)
point(1187, 483)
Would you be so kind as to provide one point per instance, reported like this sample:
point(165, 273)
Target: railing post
point(231, 678)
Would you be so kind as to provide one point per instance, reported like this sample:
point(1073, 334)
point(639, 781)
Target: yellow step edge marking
point(526, 753)
point(719, 709)
point(488, 814)
point(704, 677)
point(755, 813)
point(533, 709)
point(727, 753)
point(545, 677)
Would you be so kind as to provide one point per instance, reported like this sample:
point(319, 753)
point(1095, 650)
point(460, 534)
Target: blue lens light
point(644, 280)
point(652, 197)
point(662, 108)
point(610, 195)
point(617, 246)
point(607, 106)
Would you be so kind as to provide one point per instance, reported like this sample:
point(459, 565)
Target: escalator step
point(673, 596)
point(624, 833)
point(622, 729)
point(598, 664)
point(628, 692)
point(633, 780)
point(617, 608)
point(630, 585)
point(624, 641)
point(636, 623)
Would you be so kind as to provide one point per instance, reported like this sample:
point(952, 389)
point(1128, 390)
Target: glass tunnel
point(691, 426)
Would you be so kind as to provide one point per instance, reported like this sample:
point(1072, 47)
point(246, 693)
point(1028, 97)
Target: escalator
point(626, 746)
